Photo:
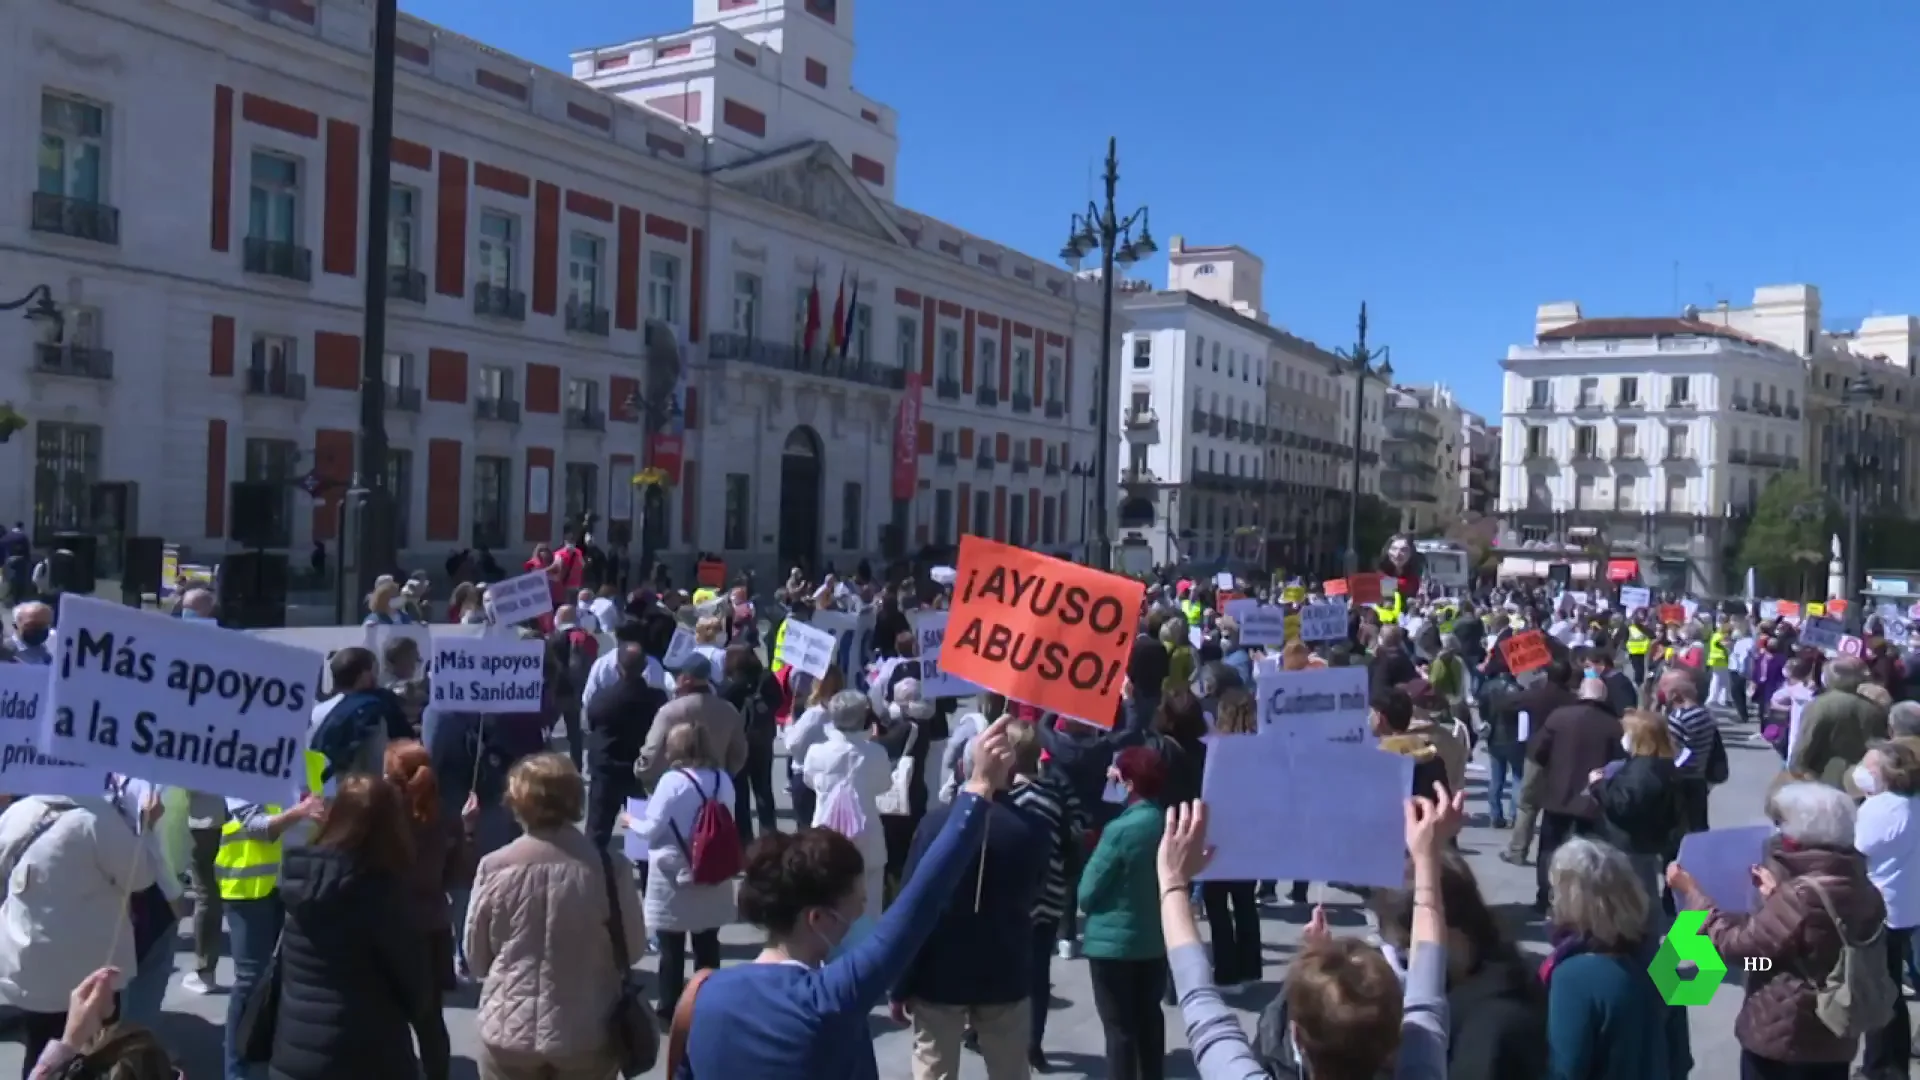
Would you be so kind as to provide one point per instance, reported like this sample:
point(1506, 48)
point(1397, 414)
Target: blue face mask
point(1592, 673)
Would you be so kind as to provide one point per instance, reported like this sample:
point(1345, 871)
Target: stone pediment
point(812, 180)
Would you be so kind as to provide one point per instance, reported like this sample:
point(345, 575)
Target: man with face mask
point(32, 627)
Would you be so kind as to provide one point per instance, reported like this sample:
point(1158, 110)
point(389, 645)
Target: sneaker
point(1511, 859)
point(200, 983)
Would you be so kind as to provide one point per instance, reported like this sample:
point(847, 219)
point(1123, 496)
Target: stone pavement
point(192, 1024)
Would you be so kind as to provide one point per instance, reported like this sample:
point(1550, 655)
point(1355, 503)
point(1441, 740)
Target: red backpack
point(714, 854)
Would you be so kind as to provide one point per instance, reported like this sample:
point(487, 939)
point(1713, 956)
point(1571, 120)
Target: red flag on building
point(812, 333)
point(839, 316)
point(906, 439)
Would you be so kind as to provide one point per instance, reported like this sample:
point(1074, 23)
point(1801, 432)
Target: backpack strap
point(683, 1022)
point(1839, 928)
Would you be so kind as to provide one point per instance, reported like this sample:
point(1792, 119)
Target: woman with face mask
point(1639, 805)
point(798, 1012)
point(1887, 833)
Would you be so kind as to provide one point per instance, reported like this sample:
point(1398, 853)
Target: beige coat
point(726, 734)
point(537, 937)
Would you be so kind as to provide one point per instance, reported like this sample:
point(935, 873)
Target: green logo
point(1685, 942)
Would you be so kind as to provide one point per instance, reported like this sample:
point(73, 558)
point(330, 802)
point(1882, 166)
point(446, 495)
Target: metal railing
point(63, 215)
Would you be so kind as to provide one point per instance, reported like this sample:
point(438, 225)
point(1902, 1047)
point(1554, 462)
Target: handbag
point(635, 1031)
point(894, 802)
point(260, 1013)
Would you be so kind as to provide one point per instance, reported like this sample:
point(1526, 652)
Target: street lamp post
point(41, 310)
point(1860, 465)
point(1102, 227)
point(1360, 362)
point(375, 547)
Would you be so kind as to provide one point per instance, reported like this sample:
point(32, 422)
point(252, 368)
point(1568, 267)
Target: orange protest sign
point(1836, 607)
point(1336, 587)
point(710, 574)
point(1364, 588)
point(1526, 651)
point(1220, 602)
point(1787, 609)
point(1673, 614)
point(1040, 630)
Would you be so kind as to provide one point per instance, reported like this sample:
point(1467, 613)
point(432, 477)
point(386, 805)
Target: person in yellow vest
point(1389, 610)
point(1637, 641)
point(247, 871)
point(797, 610)
point(705, 595)
point(1720, 687)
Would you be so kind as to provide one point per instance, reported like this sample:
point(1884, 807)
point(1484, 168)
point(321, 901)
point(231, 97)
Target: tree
point(1476, 533)
point(1789, 532)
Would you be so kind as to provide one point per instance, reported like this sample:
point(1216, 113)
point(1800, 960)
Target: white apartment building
point(187, 180)
point(1653, 432)
point(1421, 469)
point(1233, 435)
point(1479, 466)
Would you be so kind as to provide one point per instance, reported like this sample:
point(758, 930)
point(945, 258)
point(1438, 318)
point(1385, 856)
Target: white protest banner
point(678, 649)
point(806, 649)
point(181, 703)
point(1341, 805)
point(402, 649)
point(1316, 705)
point(1264, 625)
point(1239, 606)
point(519, 599)
point(488, 675)
point(327, 640)
point(1223, 580)
point(1323, 622)
point(1635, 596)
point(835, 622)
point(1822, 633)
point(929, 632)
point(24, 770)
point(632, 844)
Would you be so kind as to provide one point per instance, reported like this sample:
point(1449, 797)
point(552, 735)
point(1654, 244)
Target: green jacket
point(1120, 891)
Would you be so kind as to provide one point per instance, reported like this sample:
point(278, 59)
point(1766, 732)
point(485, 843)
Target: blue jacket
point(1605, 1021)
point(981, 954)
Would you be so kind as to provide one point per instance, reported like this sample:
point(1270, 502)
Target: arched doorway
point(802, 475)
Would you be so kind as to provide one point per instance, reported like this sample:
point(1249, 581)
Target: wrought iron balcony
point(1624, 402)
point(79, 361)
point(1588, 403)
point(277, 258)
point(739, 348)
point(1678, 453)
point(1540, 406)
point(403, 398)
point(1138, 476)
point(579, 419)
point(505, 410)
point(1737, 457)
point(1051, 468)
point(946, 457)
point(1216, 425)
point(1793, 412)
point(1199, 419)
point(276, 382)
point(499, 302)
point(587, 319)
point(1019, 465)
point(1141, 418)
point(407, 283)
point(1233, 428)
point(983, 460)
point(63, 215)
point(1741, 404)
point(986, 395)
point(1022, 403)
point(1056, 410)
point(1682, 404)
point(947, 389)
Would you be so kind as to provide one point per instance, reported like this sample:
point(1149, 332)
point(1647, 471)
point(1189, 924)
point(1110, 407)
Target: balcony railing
point(1233, 428)
point(983, 460)
point(407, 283)
point(1766, 459)
point(78, 361)
point(1056, 410)
point(1737, 457)
point(1051, 468)
point(505, 410)
point(1626, 454)
point(1633, 402)
point(946, 457)
point(1540, 406)
point(1199, 419)
point(739, 348)
point(1793, 412)
point(1682, 404)
point(1740, 404)
point(403, 398)
point(1589, 403)
point(1138, 476)
point(587, 319)
point(1022, 403)
point(277, 258)
point(1216, 425)
point(1019, 466)
point(277, 382)
point(62, 215)
point(579, 419)
point(1141, 418)
point(986, 395)
point(499, 302)
point(1586, 453)
point(1678, 453)
point(947, 389)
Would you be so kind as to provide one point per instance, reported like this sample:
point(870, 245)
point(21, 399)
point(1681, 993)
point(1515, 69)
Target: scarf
point(1567, 944)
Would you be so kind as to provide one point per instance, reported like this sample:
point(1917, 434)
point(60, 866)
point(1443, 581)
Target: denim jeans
point(141, 999)
point(253, 932)
point(1504, 763)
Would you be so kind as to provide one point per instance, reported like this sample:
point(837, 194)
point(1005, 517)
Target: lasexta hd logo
point(1685, 943)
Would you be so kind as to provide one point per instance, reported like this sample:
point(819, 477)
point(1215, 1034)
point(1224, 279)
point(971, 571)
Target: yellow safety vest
point(704, 595)
point(1717, 650)
point(1192, 610)
point(246, 869)
point(1390, 614)
point(779, 639)
point(1637, 641)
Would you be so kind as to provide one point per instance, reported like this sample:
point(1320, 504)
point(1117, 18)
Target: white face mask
point(1626, 744)
point(1864, 779)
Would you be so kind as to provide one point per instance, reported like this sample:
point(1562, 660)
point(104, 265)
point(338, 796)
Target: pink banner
point(906, 440)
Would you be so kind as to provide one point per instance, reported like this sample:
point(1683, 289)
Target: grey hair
point(1845, 675)
point(1904, 718)
point(1596, 893)
point(848, 710)
point(1813, 814)
point(1174, 630)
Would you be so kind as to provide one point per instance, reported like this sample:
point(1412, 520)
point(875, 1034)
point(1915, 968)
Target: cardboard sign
point(929, 635)
point(1787, 609)
point(807, 648)
point(1263, 624)
point(520, 599)
point(181, 703)
point(711, 574)
point(1336, 587)
point(1364, 588)
point(1041, 630)
point(1526, 651)
point(1836, 607)
point(24, 770)
point(1852, 646)
point(1672, 614)
point(1635, 596)
point(1323, 622)
point(1822, 633)
point(488, 675)
point(1816, 610)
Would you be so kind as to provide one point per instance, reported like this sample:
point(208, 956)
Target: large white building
point(1236, 437)
point(187, 177)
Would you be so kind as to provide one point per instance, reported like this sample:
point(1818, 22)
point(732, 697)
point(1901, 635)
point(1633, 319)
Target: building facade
point(1644, 432)
point(1421, 470)
point(1237, 438)
point(1479, 466)
point(697, 227)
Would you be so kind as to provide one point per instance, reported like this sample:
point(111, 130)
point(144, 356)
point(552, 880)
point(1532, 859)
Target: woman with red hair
point(1120, 894)
point(443, 859)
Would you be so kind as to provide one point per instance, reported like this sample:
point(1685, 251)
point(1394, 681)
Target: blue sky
point(1453, 164)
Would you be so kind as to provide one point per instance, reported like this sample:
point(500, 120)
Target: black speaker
point(75, 573)
point(140, 561)
point(253, 590)
point(257, 514)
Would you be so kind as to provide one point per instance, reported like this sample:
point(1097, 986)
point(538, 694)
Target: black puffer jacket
point(354, 972)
